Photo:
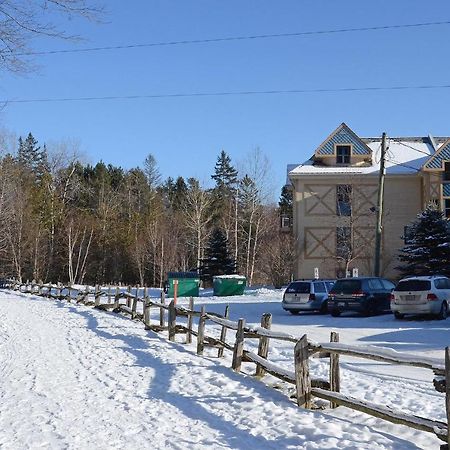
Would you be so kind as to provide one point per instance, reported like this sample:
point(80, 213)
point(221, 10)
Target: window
point(343, 154)
point(343, 200)
point(319, 288)
point(375, 284)
point(447, 207)
point(442, 283)
point(298, 287)
point(285, 221)
point(343, 242)
point(413, 285)
point(446, 173)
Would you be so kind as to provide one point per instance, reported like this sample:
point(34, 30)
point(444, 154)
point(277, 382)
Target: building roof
point(405, 155)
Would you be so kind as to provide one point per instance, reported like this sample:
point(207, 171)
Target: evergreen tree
point(225, 176)
point(218, 260)
point(285, 202)
point(32, 157)
point(152, 172)
point(428, 249)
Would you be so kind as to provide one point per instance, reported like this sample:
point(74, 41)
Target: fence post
point(238, 346)
point(85, 297)
point(161, 310)
point(146, 310)
point(263, 348)
point(201, 331)
point(447, 391)
point(134, 307)
point(116, 299)
point(97, 295)
point(190, 320)
point(335, 380)
point(223, 331)
point(109, 293)
point(172, 321)
point(302, 379)
point(128, 297)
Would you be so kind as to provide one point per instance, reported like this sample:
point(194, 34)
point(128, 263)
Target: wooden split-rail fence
point(306, 387)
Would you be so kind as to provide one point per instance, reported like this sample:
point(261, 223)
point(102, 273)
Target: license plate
point(341, 303)
point(410, 298)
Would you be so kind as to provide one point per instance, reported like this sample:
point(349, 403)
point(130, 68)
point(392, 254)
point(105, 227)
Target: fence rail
point(306, 387)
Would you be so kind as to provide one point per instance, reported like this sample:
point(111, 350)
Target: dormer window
point(343, 154)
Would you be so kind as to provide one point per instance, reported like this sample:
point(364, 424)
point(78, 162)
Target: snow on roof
point(404, 156)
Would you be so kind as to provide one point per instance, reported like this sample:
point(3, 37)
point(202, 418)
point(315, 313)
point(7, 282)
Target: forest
point(65, 220)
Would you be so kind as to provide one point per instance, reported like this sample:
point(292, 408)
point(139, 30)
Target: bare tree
point(79, 239)
point(196, 216)
point(278, 251)
point(255, 191)
point(21, 21)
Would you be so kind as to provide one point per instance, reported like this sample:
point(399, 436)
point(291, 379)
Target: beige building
point(335, 197)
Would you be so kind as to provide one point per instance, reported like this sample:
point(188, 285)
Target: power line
point(234, 38)
point(230, 93)
point(402, 164)
point(411, 147)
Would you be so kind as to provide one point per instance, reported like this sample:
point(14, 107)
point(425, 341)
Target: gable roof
point(343, 135)
point(442, 154)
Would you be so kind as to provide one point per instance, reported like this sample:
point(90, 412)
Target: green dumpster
point(228, 285)
point(188, 284)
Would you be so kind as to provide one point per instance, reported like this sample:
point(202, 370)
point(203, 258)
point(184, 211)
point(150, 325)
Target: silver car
point(421, 295)
point(307, 295)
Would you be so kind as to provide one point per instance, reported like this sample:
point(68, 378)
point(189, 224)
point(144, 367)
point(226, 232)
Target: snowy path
point(73, 377)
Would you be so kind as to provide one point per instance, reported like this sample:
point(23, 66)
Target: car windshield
point(413, 285)
point(299, 287)
point(347, 286)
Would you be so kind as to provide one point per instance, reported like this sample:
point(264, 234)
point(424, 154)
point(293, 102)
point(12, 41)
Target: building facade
point(335, 200)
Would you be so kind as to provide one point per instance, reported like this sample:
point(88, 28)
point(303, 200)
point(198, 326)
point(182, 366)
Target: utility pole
point(380, 200)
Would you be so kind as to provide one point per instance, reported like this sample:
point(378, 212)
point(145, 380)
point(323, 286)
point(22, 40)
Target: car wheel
point(443, 312)
point(398, 315)
point(294, 313)
point(335, 313)
point(324, 308)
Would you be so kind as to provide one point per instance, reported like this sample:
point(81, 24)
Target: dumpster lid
point(182, 275)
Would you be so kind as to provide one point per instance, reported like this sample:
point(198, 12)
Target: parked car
point(421, 295)
point(367, 295)
point(307, 295)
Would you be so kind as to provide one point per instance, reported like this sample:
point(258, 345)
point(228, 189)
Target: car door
point(377, 292)
point(320, 292)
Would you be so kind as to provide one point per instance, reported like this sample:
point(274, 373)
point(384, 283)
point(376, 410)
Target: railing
point(304, 349)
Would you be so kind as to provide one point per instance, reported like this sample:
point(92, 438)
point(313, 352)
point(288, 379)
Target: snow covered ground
point(78, 378)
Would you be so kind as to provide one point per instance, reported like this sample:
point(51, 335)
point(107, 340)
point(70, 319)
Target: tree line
point(63, 220)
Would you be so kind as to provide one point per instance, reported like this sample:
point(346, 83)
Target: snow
point(75, 377)
point(400, 159)
point(231, 276)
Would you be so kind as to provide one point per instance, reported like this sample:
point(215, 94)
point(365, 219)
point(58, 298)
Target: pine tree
point(225, 176)
point(285, 202)
point(218, 260)
point(428, 249)
point(32, 157)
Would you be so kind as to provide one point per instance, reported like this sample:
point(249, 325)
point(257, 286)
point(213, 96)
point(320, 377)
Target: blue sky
point(186, 134)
